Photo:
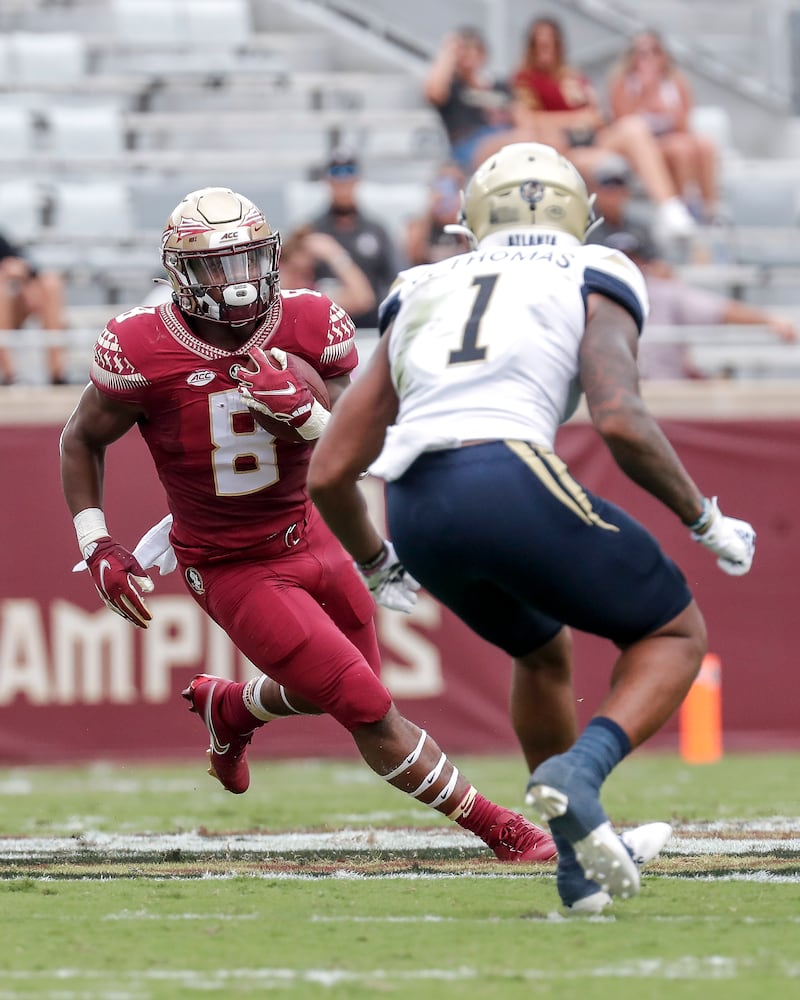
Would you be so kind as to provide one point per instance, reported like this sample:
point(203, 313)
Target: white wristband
point(90, 524)
point(316, 422)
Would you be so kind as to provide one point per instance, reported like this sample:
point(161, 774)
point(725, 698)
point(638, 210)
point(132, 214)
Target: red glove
point(120, 581)
point(272, 386)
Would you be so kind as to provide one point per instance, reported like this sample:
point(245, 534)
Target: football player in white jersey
point(483, 355)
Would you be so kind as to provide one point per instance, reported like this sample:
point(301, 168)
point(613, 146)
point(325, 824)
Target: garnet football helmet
point(526, 186)
point(221, 257)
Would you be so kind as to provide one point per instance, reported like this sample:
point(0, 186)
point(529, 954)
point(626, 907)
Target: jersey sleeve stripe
point(387, 311)
point(618, 291)
point(115, 381)
point(334, 352)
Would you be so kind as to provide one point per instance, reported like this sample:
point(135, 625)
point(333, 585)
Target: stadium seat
point(6, 76)
point(181, 24)
point(754, 198)
point(216, 22)
point(715, 122)
point(92, 208)
point(95, 130)
point(148, 22)
point(47, 58)
point(21, 205)
point(304, 200)
point(393, 204)
point(16, 131)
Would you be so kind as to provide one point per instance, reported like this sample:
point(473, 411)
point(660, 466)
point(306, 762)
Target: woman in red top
point(559, 103)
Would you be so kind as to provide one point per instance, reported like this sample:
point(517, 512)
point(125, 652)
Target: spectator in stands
point(522, 130)
point(647, 83)
point(471, 102)
point(364, 239)
point(26, 293)
point(426, 238)
point(673, 302)
point(618, 204)
point(305, 252)
point(561, 106)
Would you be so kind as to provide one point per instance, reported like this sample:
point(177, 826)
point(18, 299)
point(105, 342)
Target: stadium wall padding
point(77, 683)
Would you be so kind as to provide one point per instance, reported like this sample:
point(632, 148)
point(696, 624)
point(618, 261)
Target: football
point(278, 428)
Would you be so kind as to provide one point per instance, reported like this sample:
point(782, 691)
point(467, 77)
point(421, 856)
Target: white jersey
point(484, 345)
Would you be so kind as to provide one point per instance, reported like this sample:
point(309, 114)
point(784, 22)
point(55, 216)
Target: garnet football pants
point(305, 618)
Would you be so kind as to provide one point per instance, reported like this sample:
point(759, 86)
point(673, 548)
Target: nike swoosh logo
point(104, 565)
point(290, 390)
point(216, 746)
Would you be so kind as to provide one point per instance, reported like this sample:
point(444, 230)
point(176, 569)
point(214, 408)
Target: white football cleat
point(644, 843)
point(595, 902)
point(606, 860)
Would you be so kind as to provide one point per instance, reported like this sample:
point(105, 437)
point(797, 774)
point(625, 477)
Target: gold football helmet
point(526, 185)
point(221, 257)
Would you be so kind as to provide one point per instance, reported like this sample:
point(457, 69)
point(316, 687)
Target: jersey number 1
point(469, 350)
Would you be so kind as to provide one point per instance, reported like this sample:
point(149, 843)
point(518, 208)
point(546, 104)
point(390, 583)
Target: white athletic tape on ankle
point(251, 696)
point(409, 761)
point(447, 791)
point(430, 777)
point(464, 807)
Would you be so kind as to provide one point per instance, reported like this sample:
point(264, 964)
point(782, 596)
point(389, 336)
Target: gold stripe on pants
point(552, 472)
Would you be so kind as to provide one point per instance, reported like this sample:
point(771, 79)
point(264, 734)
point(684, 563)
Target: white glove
point(388, 582)
point(734, 541)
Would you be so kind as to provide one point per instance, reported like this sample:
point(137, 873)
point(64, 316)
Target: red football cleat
point(227, 755)
point(514, 838)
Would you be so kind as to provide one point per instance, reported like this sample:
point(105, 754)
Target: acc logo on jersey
point(201, 377)
point(194, 580)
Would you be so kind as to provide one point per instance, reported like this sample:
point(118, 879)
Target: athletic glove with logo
point(734, 541)
point(271, 385)
point(388, 581)
point(119, 580)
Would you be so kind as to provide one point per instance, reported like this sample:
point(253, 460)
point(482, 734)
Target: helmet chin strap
point(243, 294)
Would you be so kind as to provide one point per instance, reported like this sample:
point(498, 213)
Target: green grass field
point(145, 883)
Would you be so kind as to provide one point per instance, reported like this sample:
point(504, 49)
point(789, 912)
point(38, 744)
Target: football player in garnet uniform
point(254, 553)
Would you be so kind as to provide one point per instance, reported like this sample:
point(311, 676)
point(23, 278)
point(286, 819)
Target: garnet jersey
point(230, 485)
point(485, 345)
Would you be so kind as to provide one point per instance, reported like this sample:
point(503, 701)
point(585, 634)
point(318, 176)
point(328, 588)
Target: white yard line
point(688, 967)
point(400, 841)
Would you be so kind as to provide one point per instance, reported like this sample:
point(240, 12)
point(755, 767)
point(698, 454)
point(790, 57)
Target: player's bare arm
point(359, 420)
point(610, 381)
point(335, 387)
point(96, 422)
point(362, 417)
point(120, 580)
